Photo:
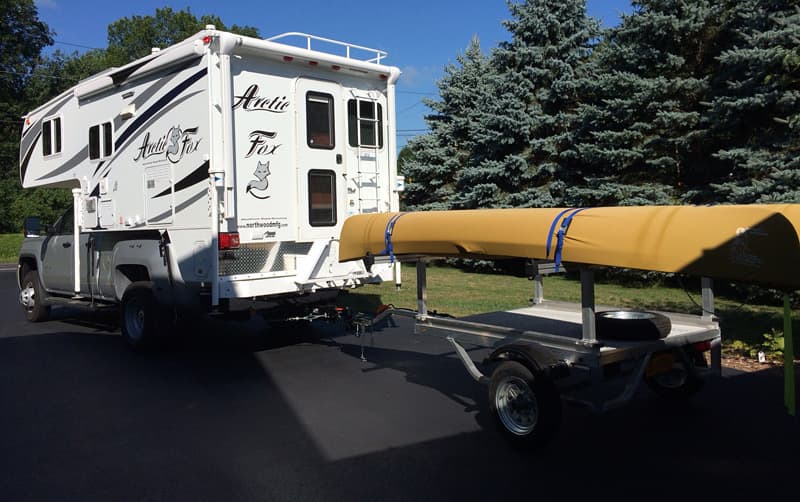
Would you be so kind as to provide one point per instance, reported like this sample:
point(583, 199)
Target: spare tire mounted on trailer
point(631, 325)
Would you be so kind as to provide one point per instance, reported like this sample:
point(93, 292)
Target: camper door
point(320, 159)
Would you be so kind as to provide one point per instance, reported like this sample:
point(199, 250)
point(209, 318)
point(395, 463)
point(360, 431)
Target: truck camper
point(220, 168)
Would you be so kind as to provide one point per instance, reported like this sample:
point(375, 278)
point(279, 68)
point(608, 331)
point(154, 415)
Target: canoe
point(755, 244)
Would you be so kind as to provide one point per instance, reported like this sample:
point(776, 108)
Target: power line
point(419, 93)
point(75, 45)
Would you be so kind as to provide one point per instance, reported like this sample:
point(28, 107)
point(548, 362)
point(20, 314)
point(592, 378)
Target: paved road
point(243, 413)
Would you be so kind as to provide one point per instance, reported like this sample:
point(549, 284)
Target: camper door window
point(321, 198)
point(51, 136)
point(319, 120)
point(101, 144)
point(364, 123)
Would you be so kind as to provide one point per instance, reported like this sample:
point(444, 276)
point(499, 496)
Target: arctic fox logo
point(174, 137)
point(260, 184)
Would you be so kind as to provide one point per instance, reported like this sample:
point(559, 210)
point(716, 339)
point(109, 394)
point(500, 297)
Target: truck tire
point(631, 325)
point(526, 407)
point(140, 315)
point(681, 382)
point(31, 297)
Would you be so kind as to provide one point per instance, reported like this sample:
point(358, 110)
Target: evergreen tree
point(637, 131)
point(754, 118)
point(523, 154)
point(442, 155)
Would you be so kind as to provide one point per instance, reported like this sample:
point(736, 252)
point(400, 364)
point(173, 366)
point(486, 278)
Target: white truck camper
point(220, 168)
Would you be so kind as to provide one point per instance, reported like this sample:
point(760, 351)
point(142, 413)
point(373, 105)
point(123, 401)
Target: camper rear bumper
point(261, 286)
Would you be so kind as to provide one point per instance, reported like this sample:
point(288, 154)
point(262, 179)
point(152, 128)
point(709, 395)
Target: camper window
point(321, 198)
point(51, 136)
point(96, 142)
point(365, 123)
point(319, 120)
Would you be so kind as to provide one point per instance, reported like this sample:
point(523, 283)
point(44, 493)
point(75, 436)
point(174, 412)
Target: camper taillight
point(228, 240)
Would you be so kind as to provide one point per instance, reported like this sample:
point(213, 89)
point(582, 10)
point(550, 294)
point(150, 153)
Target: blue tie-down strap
point(562, 232)
point(552, 228)
point(387, 237)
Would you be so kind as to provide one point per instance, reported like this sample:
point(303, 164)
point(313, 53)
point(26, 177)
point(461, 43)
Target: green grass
point(9, 247)
point(461, 293)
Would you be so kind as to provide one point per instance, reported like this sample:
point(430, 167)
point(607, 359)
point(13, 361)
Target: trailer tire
point(140, 315)
point(526, 407)
point(631, 325)
point(31, 296)
point(681, 382)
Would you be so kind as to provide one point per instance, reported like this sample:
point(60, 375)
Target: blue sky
point(421, 36)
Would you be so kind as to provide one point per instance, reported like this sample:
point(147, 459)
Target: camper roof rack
point(373, 55)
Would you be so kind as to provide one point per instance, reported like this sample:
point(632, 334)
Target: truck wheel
point(527, 408)
point(680, 382)
point(139, 315)
point(631, 325)
point(31, 296)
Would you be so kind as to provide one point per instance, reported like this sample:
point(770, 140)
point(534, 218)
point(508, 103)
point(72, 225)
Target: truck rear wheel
point(31, 297)
point(526, 407)
point(139, 315)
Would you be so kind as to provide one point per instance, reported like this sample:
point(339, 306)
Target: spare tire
point(631, 325)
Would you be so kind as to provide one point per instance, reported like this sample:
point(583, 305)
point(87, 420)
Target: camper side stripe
point(195, 177)
point(23, 168)
point(158, 105)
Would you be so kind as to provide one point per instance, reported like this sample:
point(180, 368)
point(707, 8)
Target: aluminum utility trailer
point(554, 350)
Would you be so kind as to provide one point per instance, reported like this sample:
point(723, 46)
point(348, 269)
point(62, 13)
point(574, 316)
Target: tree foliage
point(22, 38)
point(133, 37)
point(685, 101)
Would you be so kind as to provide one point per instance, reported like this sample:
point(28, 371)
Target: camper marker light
point(207, 39)
point(336, 67)
point(313, 63)
point(228, 240)
point(288, 59)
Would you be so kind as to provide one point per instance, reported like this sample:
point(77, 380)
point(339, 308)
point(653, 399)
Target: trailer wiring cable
point(703, 310)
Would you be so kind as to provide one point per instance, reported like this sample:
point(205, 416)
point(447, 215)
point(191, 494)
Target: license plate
point(659, 364)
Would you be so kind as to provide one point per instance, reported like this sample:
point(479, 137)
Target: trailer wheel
point(527, 407)
point(631, 325)
point(139, 315)
point(680, 382)
point(31, 296)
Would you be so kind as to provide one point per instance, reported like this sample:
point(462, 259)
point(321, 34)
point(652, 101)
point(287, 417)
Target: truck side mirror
point(32, 227)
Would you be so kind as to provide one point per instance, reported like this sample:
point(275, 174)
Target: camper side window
point(321, 198)
point(319, 120)
point(101, 142)
point(51, 136)
point(365, 123)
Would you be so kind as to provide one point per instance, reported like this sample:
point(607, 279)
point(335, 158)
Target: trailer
point(583, 353)
point(221, 168)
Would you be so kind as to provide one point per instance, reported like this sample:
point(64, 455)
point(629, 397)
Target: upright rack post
point(422, 289)
point(587, 307)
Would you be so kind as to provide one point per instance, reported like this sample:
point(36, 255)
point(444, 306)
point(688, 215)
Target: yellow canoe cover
point(746, 243)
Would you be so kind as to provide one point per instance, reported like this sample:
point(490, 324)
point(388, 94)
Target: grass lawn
point(9, 247)
point(461, 293)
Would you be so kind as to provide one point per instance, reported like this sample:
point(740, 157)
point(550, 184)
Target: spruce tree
point(440, 156)
point(522, 156)
point(637, 129)
point(754, 117)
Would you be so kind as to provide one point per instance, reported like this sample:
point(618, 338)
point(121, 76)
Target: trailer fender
point(537, 359)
